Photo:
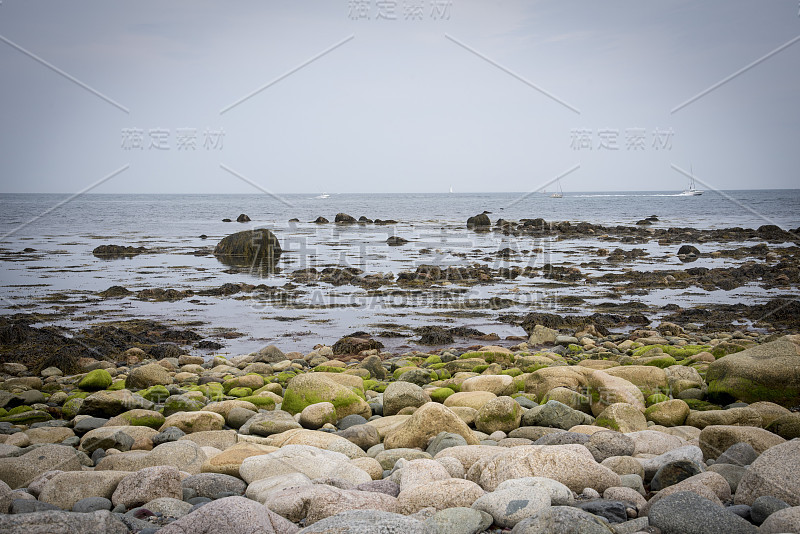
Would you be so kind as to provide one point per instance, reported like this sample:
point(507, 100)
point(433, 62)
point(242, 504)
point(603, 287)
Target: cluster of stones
point(590, 434)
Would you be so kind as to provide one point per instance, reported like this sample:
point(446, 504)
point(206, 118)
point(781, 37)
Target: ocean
point(59, 280)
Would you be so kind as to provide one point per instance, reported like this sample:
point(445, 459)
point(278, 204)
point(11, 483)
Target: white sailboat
point(559, 193)
point(451, 188)
point(323, 195)
point(692, 191)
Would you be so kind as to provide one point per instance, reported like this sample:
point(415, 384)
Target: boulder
point(95, 380)
point(541, 381)
point(310, 461)
point(259, 245)
point(622, 417)
point(572, 465)
point(439, 494)
point(231, 515)
point(147, 484)
point(268, 423)
point(562, 520)
point(363, 521)
point(314, 416)
point(648, 378)
point(322, 440)
point(606, 390)
point(469, 399)
point(761, 373)
point(18, 472)
point(68, 487)
point(399, 395)
point(503, 414)
point(63, 522)
point(510, 506)
point(200, 421)
point(211, 485)
point(556, 415)
point(184, 455)
point(230, 460)
point(110, 403)
point(668, 413)
point(689, 513)
point(480, 221)
point(732, 416)
point(306, 389)
point(773, 473)
point(145, 376)
point(500, 385)
point(319, 501)
point(715, 439)
point(426, 423)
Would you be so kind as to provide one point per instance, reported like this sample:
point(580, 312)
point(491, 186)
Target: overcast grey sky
point(418, 95)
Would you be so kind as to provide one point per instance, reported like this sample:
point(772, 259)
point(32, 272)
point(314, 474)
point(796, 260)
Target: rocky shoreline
point(574, 429)
point(624, 418)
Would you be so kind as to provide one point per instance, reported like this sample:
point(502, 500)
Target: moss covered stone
point(433, 359)
point(140, 417)
point(27, 417)
point(663, 361)
point(311, 388)
point(679, 353)
point(181, 403)
point(440, 394)
point(71, 407)
point(701, 405)
point(262, 403)
point(328, 369)
point(765, 372)
point(656, 398)
point(96, 380)
point(117, 385)
point(402, 370)
point(155, 393)
point(240, 392)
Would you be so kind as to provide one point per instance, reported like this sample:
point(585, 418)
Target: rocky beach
point(607, 411)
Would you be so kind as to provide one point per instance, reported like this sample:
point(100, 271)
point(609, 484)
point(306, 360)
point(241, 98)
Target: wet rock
point(250, 247)
point(396, 241)
point(344, 218)
point(117, 251)
point(481, 221)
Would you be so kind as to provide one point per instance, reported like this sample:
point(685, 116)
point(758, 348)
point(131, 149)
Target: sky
point(373, 96)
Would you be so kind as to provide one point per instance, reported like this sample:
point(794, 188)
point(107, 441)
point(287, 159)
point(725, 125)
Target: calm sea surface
point(63, 231)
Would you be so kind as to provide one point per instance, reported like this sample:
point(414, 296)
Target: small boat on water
point(323, 195)
point(559, 193)
point(692, 191)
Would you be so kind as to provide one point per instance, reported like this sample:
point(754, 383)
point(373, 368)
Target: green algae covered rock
point(668, 413)
point(440, 394)
point(765, 372)
point(95, 380)
point(311, 388)
point(157, 393)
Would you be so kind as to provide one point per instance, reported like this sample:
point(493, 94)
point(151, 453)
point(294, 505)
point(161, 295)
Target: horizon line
point(445, 193)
